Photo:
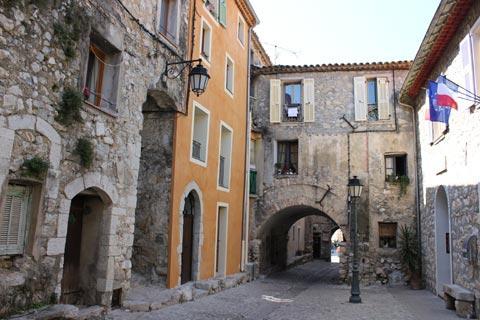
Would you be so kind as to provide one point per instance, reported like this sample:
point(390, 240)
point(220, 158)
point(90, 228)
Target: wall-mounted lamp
point(198, 75)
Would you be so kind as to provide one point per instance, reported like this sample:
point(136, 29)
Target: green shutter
point(13, 219)
point(222, 12)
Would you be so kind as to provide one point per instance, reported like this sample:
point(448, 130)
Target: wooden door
point(71, 265)
point(187, 247)
point(317, 246)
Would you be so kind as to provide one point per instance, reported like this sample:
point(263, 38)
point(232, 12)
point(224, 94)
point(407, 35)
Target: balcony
point(292, 113)
point(221, 173)
point(196, 150)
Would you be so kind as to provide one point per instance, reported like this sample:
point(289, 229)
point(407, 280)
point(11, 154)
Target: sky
point(342, 31)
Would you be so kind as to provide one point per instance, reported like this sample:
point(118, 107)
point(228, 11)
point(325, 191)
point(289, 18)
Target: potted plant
point(410, 257)
point(278, 168)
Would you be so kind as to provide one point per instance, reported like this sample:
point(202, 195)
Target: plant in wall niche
point(402, 181)
point(68, 32)
point(69, 107)
point(35, 167)
point(85, 150)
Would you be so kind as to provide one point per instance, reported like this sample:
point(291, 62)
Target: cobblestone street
point(309, 291)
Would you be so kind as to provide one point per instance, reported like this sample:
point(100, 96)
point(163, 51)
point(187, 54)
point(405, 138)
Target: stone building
point(316, 127)
point(77, 80)
point(448, 155)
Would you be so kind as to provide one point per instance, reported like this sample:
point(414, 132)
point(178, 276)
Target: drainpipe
point(246, 189)
point(417, 180)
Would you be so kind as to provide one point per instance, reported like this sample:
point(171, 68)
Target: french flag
point(441, 101)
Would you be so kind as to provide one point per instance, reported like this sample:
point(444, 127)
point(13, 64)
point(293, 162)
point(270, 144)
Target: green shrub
point(69, 108)
point(35, 167)
point(85, 150)
point(68, 32)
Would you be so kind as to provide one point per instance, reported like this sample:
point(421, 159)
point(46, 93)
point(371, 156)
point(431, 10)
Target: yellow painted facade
point(222, 107)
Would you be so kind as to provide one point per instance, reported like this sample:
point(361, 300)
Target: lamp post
point(354, 192)
point(198, 75)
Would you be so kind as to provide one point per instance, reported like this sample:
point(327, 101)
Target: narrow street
point(310, 291)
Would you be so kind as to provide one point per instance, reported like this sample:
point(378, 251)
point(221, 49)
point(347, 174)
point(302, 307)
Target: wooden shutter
point(467, 66)
point(275, 100)
point(222, 12)
point(13, 219)
point(309, 100)
point(383, 97)
point(360, 98)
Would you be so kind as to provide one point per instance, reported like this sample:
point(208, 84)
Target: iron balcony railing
point(196, 150)
point(253, 181)
point(221, 173)
point(292, 113)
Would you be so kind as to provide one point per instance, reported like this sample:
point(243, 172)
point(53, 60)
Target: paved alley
point(310, 291)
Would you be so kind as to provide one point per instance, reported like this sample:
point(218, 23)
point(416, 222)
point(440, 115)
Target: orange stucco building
point(210, 147)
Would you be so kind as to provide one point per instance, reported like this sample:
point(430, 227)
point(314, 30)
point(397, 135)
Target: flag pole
point(468, 92)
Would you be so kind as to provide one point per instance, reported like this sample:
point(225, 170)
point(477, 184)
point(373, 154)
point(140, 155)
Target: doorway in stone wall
point(81, 256)
point(442, 241)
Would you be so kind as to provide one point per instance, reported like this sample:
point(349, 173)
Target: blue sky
point(331, 31)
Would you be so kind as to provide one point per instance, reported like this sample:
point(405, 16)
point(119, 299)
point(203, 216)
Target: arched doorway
point(190, 237)
point(442, 240)
point(81, 258)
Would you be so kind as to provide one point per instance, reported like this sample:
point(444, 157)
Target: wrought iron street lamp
point(198, 75)
point(354, 193)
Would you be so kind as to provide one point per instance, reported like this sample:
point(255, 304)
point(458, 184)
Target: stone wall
point(34, 73)
point(324, 228)
point(329, 152)
point(451, 164)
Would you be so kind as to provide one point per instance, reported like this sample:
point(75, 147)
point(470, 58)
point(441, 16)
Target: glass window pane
point(372, 91)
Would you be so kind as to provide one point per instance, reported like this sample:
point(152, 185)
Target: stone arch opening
point(275, 233)
point(84, 256)
point(152, 214)
point(442, 240)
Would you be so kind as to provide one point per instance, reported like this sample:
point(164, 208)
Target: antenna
point(276, 54)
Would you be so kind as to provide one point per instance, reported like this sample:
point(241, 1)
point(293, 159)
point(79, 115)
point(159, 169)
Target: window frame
point(220, 187)
point(395, 238)
point(208, 59)
point(227, 210)
point(284, 106)
point(229, 58)
point(290, 142)
point(394, 169)
point(241, 20)
point(175, 41)
point(197, 105)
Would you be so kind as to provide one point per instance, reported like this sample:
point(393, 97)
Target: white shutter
point(467, 65)
point(360, 98)
point(309, 100)
point(383, 99)
point(275, 100)
point(13, 218)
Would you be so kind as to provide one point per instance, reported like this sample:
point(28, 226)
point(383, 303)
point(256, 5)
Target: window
point(292, 101)
point(218, 9)
point(229, 75)
point(102, 74)
point(387, 233)
point(241, 30)
point(372, 101)
point(287, 158)
point(168, 22)
point(206, 41)
point(438, 130)
point(199, 148)
point(13, 219)
point(225, 156)
point(395, 166)
point(222, 231)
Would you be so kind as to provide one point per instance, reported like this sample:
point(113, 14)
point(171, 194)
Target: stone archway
point(272, 235)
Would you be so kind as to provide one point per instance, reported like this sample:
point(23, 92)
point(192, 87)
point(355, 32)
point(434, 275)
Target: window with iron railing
point(221, 173)
point(253, 181)
point(196, 150)
point(287, 158)
point(292, 102)
point(168, 20)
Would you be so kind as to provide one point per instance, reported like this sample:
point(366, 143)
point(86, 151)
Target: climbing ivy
point(85, 150)
point(69, 107)
point(68, 32)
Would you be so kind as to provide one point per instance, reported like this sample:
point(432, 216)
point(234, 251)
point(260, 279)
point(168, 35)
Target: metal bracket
point(324, 195)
